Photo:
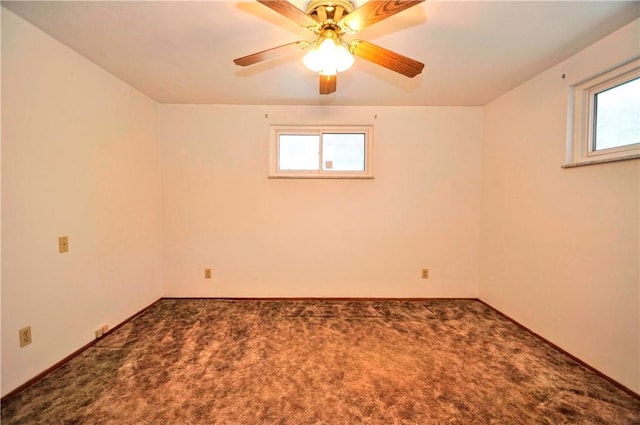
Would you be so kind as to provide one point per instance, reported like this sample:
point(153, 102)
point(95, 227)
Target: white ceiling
point(182, 51)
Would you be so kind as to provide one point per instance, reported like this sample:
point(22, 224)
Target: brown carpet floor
point(321, 362)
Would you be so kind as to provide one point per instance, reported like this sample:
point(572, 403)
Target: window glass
point(299, 152)
point(343, 152)
point(617, 112)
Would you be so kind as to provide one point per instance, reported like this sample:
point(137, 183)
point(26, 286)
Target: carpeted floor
point(321, 362)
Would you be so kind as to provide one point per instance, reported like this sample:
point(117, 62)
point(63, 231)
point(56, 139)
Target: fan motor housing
point(329, 6)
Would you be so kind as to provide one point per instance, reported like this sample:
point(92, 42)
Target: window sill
point(324, 177)
point(601, 161)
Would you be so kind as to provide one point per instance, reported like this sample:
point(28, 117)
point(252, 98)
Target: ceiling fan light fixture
point(312, 60)
point(328, 58)
point(344, 59)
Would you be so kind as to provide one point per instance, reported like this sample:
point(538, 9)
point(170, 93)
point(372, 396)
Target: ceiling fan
point(329, 53)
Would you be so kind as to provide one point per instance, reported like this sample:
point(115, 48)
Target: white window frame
point(277, 130)
point(581, 114)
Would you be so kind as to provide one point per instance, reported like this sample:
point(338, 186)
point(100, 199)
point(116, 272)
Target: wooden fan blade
point(272, 53)
point(375, 11)
point(328, 83)
point(387, 58)
point(288, 10)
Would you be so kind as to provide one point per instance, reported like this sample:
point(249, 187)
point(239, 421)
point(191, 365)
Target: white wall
point(80, 157)
point(320, 238)
point(560, 247)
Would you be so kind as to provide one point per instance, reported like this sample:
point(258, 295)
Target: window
point(321, 152)
point(606, 117)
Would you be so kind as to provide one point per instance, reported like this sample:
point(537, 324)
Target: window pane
point(618, 116)
point(343, 152)
point(298, 152)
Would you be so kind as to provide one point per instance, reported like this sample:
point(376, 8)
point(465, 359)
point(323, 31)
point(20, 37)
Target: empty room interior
point(198, 226)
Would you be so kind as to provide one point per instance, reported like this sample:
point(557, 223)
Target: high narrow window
point(606, 117)
point(321, 152)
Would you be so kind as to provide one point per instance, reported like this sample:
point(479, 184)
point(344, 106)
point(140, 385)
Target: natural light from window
point(299, 152)
point(617, 113)
point(343, 152)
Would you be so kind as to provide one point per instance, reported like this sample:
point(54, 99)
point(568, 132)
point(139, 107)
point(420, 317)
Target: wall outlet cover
point(63, 244)
point(25, 336)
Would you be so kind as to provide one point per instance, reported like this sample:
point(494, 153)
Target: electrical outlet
point(207, 273)
point(25, 336)
point(425, 273)
point(63, 244)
